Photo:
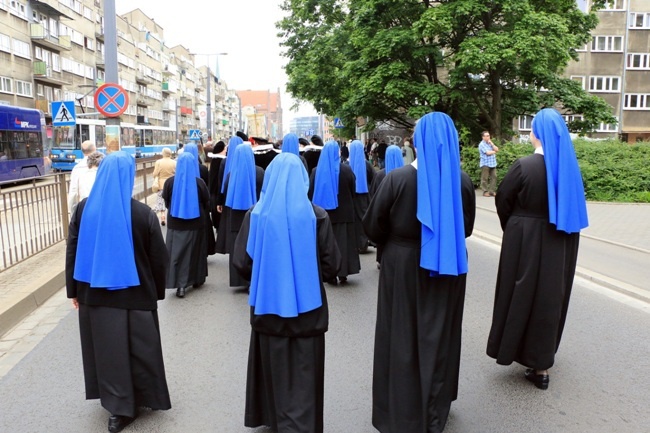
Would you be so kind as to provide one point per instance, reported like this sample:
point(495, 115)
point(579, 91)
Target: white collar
point(415, 164)
point(312, 147)
point(216, 155)
point(539, 150)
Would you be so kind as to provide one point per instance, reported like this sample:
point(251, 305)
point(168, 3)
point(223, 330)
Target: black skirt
point(188, 263)
point(122, 359)
point(361, 202)
point(346, 239)
point(285, 383)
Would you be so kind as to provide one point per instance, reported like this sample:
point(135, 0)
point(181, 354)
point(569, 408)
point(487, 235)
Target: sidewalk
point(614, 252)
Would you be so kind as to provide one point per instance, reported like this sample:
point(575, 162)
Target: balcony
point(186, 111)
point(99, 33)
point(141, 78)
point(168, 105)
point(100, 61)
point(169, 70)
point(43, 105)
point(43, 72)
point(144, 101)
point(42, 36)
point(168, 87)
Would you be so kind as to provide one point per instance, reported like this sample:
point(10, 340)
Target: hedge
point(611, 170)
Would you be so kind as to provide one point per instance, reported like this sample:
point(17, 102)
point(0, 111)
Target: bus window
point(34, 145)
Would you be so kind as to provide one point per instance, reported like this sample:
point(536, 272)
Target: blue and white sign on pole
point(64, 114)
point(337, 123)
point(194, 134)
point(311, 132)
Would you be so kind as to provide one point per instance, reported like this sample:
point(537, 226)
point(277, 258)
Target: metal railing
point(34, 214)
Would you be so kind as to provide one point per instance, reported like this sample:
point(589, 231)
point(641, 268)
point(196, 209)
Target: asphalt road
point(600, 382)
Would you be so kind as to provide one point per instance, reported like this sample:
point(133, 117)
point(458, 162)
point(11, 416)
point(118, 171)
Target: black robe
point(264, 157)
point(536, 270)
point(280, 394)
point(343, 221)
point(361, 201)
point(235, 220)
point(214, 186)
point(419, 318)
point(220, 200)
point(311, 156)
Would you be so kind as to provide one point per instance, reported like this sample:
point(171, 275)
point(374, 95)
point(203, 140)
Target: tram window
point(125, 136)
point(139, 139)
point(156, 137)
point(100, 136)
point(18, 145)
point(148, 137)
point(4, 146)
point(34, 145)
point(84, 134)
point(63, 137)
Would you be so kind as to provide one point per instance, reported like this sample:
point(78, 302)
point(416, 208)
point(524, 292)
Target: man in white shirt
point(87, 147)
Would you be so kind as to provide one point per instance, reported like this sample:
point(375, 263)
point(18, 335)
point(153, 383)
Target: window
point(24, 88)
point(56, 63)
point(57, 95)
point(525, 123)
point(607, 43)
point(583, 5)
point(76, 37)
point(608, 127)
point(580, 79)
point(638, 61)
point(88, 13)
point(38, 53)
point(5, 43)
point(614, 5)
point(604, 84)
point(89, 43)
point(22, 49)
point(39, 90)
point(5, 85)
point(17, 8)
point(3, 5)
point(640, 20)
point(637, 101)
point(90, 72)
point(572, 118)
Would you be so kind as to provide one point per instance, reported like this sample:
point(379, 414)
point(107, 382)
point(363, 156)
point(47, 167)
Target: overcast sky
point(245, 29)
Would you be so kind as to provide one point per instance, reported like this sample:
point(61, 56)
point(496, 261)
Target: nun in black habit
point(286, 248)
point(290, 144)
point(419, 217)
point(363, 173)
point(188, 201)
point(115, 278)
point(542, 208)
point(312, 152)
point(243, 185)
point(217, 156)
point(221, 246)
point(204, 174)
point(332, 187)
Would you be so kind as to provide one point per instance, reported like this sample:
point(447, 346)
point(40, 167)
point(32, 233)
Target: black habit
point(343, 221)
point(419, 317)
point(536, 270)
point(120, 336)
point(286, 359)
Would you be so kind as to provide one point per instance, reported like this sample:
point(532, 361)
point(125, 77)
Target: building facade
point(267, 103)
point(53, 50)
point(615, 66)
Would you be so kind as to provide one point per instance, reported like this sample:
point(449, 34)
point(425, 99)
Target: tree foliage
point(483, 62)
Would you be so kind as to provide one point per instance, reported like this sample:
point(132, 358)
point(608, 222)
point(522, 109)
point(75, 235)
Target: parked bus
point(138, 140)
point(23, 149)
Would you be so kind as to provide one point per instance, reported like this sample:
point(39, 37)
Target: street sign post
point(194, 134)
point(111, 100)
point(338, 124)
point(64, 113)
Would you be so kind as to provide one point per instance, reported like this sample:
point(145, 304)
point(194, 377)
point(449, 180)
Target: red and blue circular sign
point(111, 100)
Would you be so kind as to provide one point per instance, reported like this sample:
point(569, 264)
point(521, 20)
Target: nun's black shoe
point(343, 280)
point(116, 423)
point(332, 282)
point(180, 292)
point(540, 380)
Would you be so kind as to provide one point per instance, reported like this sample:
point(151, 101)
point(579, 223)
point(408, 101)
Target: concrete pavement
point(614, 252)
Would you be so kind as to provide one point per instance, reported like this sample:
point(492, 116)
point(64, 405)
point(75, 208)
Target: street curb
point(26, 304)
point(594, 277)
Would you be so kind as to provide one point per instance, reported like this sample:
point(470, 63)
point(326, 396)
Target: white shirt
point(86, 181)
point(73, 192)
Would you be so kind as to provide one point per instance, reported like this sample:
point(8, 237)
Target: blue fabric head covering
point(440, 208)
point(394, 158)
point(242, 192)
point(282, 243)
point(326, 186)
point(185, 195)
point(232, 146)
point(566, 193)
point(194, 150)
point(358, 166)
point(105, 257)
point(290, 144)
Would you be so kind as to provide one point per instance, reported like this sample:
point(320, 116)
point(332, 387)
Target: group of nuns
point(288, 231)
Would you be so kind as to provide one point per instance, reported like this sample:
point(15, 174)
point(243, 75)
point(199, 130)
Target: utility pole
point(209, 104)
point(110, 56)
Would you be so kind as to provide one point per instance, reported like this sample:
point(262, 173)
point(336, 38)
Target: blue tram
point(23, 149)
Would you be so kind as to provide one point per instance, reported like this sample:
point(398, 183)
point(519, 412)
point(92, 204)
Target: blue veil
point(242, 190)
point(194, 150)
point(290, 144)
point(105, 257)
point(185, 195)
point(282, 243)
point(394, 158)
point(566, 193)
point(358, 165)
point(326, 184)
point(440, 208)
point(232, 146)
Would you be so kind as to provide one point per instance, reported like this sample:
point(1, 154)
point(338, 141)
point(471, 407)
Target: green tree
point(483, 62)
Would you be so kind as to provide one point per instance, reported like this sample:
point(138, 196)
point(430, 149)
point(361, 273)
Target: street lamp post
point(209, 84)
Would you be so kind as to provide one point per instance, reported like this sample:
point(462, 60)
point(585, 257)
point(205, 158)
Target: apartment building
point(615, 65)
point(53, 50)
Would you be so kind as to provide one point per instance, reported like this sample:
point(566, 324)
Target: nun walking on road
point(332, 187)
point(221, 246)
point(188, 200)
point(243, 185)
point(116, 278)
point(420, 218)
point(542, 208)
point(363, 173)
point(286, 248)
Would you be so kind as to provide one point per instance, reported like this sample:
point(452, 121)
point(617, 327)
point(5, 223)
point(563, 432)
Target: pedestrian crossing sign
point(194, 134)
point(338, 124)
point(64, 113)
